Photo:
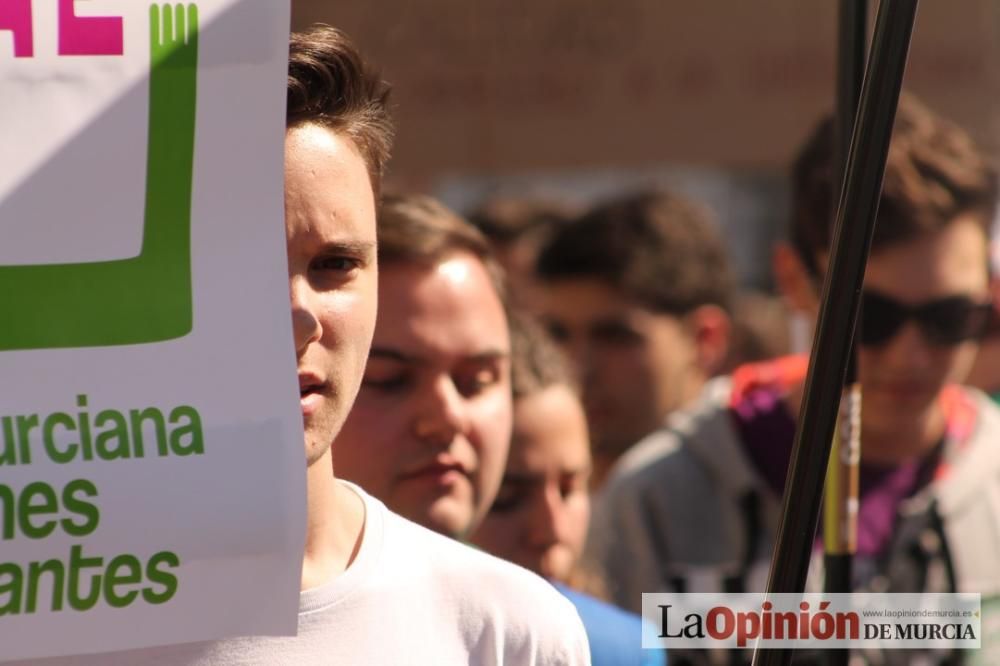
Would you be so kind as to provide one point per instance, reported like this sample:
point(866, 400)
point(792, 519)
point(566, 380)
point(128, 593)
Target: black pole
point(840, 535)
point(838, 312)
point(852, 42)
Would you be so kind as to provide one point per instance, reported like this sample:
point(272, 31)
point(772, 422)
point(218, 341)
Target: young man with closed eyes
point(695, 507)
point(430, 431)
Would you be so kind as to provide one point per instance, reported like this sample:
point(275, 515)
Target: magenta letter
point(15, 15)
point(88, 35)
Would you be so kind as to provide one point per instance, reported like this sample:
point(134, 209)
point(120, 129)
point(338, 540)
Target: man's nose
point(306, 328)
point(908, 347)
point(578, 350)
point(441, 415)
point(548, 523)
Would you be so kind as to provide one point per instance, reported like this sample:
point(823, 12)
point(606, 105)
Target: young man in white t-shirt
point(376, 588)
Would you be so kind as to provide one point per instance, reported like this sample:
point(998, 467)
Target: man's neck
point(600, 466)
point(694, 386)
point(886, 445)
point(335, 519)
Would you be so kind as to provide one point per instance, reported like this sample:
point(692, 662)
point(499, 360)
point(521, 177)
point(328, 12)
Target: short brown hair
point(658, 248)
point(536, 362)
point(330, 84)
point(933, 174)
point(420, 229)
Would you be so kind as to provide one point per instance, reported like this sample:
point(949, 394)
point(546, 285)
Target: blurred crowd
point(655, 401)
point(587, 391)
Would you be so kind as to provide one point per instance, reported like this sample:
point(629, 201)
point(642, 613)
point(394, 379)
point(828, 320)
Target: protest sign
point(152, 468)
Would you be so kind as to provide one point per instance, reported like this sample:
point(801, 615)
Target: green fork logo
point(141, 299)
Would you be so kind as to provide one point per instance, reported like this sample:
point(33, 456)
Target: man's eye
point(508, 499)
point(386, 383)
point(473, 382)
point(335, 263)
point(557, 331)
point(572, 484)
point(616, 333)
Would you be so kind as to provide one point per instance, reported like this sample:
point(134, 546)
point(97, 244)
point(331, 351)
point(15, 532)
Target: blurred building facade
point(579, 97)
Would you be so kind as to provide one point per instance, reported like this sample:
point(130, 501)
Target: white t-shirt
point(411, 596)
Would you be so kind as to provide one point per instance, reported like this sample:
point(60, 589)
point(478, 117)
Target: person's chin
point(451, 517)
point(897, 410)
point(316, 448)
point(554, 567)
point(445, 515)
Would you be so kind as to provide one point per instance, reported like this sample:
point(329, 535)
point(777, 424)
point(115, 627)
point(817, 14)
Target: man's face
point(330, 228)
point(430, 430)
point(540, 517)
point(636, 366)
point(902, 377)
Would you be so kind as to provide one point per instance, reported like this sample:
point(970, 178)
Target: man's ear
point(711, 331)
point(795, 284)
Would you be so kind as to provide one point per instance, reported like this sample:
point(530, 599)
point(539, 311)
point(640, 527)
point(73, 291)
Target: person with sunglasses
point(695, 507)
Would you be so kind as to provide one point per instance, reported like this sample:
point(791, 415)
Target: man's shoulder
point(965, 491)
point(973, 461)
point(672, 451)
point(521, 615)
point(451, 564)
point(988, 406)
point(410, 549)
point(615, 634)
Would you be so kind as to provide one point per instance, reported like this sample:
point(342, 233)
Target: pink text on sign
point(15, 16)
point(78, 35)
point(88, 35)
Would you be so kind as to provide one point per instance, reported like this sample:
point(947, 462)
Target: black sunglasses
point(947, 321)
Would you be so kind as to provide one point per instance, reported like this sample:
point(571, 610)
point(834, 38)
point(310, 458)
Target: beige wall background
point(500, 87)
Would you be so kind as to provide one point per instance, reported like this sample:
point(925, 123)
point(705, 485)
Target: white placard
point(152, 473)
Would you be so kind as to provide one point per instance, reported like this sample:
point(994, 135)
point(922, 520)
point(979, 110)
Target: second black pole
point(841, 294)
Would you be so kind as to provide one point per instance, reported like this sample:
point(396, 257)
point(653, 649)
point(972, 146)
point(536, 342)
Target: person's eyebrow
point(613, 322)
point(354, 248)
point(488, 356)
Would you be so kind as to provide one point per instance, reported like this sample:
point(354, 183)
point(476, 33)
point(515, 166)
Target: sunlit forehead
point(455, 270)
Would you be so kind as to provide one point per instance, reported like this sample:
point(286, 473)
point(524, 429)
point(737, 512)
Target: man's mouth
point(442, 472)
point(903, 390)
point(311, 390)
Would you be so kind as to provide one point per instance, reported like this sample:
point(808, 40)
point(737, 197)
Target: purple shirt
point(767, 432)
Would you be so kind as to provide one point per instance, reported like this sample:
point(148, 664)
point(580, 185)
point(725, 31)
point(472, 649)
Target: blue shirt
point(615, 635)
